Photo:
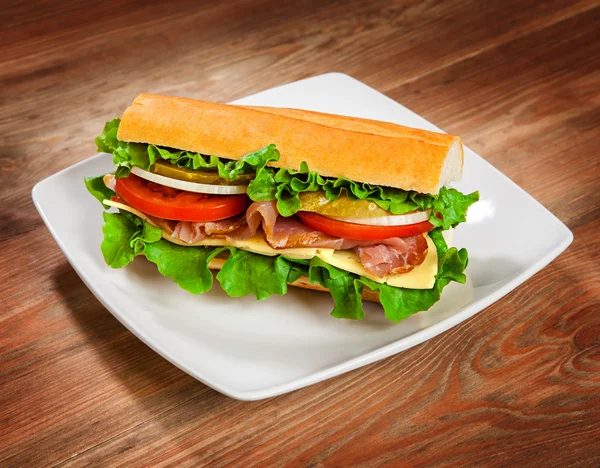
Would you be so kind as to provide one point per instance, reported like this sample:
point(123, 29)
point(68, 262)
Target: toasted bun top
point(378, 153)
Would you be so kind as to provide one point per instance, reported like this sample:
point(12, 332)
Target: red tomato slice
point(168, 203)
point(336, 228)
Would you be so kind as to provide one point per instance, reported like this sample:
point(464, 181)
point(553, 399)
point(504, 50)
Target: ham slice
point(240, 227)
point(281, 232)
point(225, 226)
point(402, 257)
point(261, 213)
point(189, 232)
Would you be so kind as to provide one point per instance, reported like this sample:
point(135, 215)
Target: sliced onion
point(392, 220)
point(189, 186)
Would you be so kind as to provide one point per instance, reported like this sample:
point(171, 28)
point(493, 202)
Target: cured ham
point(402, 257)
point(224, 226)
point(262, 213)
point(189, 232)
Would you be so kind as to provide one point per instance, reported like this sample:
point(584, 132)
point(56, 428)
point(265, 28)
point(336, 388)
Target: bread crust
point(379, 153)
point(303, 282)
point(375, 127)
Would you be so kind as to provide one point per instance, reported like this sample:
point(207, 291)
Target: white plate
point(251, 349)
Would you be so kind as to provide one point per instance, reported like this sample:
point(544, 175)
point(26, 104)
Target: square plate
point(251, 349)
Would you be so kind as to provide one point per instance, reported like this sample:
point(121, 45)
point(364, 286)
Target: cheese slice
point(420, 277)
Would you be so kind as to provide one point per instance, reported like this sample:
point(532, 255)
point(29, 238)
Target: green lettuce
point(127, 236)
point(245, 273)
point(99, 191)
point(345, 288)
point(125, 154)
point(116, 247)
point(398, 303)
point(448, 208)
point(188, 267)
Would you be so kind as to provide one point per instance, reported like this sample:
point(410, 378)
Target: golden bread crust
point(379, 153)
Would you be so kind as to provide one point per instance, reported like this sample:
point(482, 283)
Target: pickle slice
point(342, 207)
point(202, 177)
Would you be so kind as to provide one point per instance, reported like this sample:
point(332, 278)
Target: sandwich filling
point(340, 234)
point(381, 257)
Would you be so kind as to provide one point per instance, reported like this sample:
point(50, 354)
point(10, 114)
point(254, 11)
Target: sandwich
point(273, 197)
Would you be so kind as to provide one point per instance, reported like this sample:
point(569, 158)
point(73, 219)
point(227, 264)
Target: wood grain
point(517, 385)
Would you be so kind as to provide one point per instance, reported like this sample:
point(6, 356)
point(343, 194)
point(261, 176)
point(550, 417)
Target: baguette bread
point(378, 153)
point(303, 282)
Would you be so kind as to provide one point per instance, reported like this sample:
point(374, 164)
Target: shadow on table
point(146, 374)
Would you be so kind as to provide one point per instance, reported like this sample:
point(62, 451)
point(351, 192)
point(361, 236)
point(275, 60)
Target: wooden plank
point(74, 381)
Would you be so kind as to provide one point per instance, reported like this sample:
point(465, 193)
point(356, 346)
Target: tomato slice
point(336, 228)
point(168, 203)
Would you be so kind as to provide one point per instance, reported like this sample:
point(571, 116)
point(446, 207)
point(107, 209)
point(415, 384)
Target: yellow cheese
point(259, 245)
point(132, 210)
point(421, 277)
point(255, 244)
point(202, 243)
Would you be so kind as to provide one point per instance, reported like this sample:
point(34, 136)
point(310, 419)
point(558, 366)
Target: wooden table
point(518, 384)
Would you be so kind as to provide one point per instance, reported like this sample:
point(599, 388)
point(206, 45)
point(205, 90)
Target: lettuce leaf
point(186, 266)
point(107, 141)
point(398, 303)
point(247, 273)
point(345, 289)
point(124, 237)
point(118, 232)
point(127, 236)
point(244, 273)
point(448, 208)
point(124, 154)
point(99, 191)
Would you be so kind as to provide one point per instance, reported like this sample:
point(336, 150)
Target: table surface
point(518, 384)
